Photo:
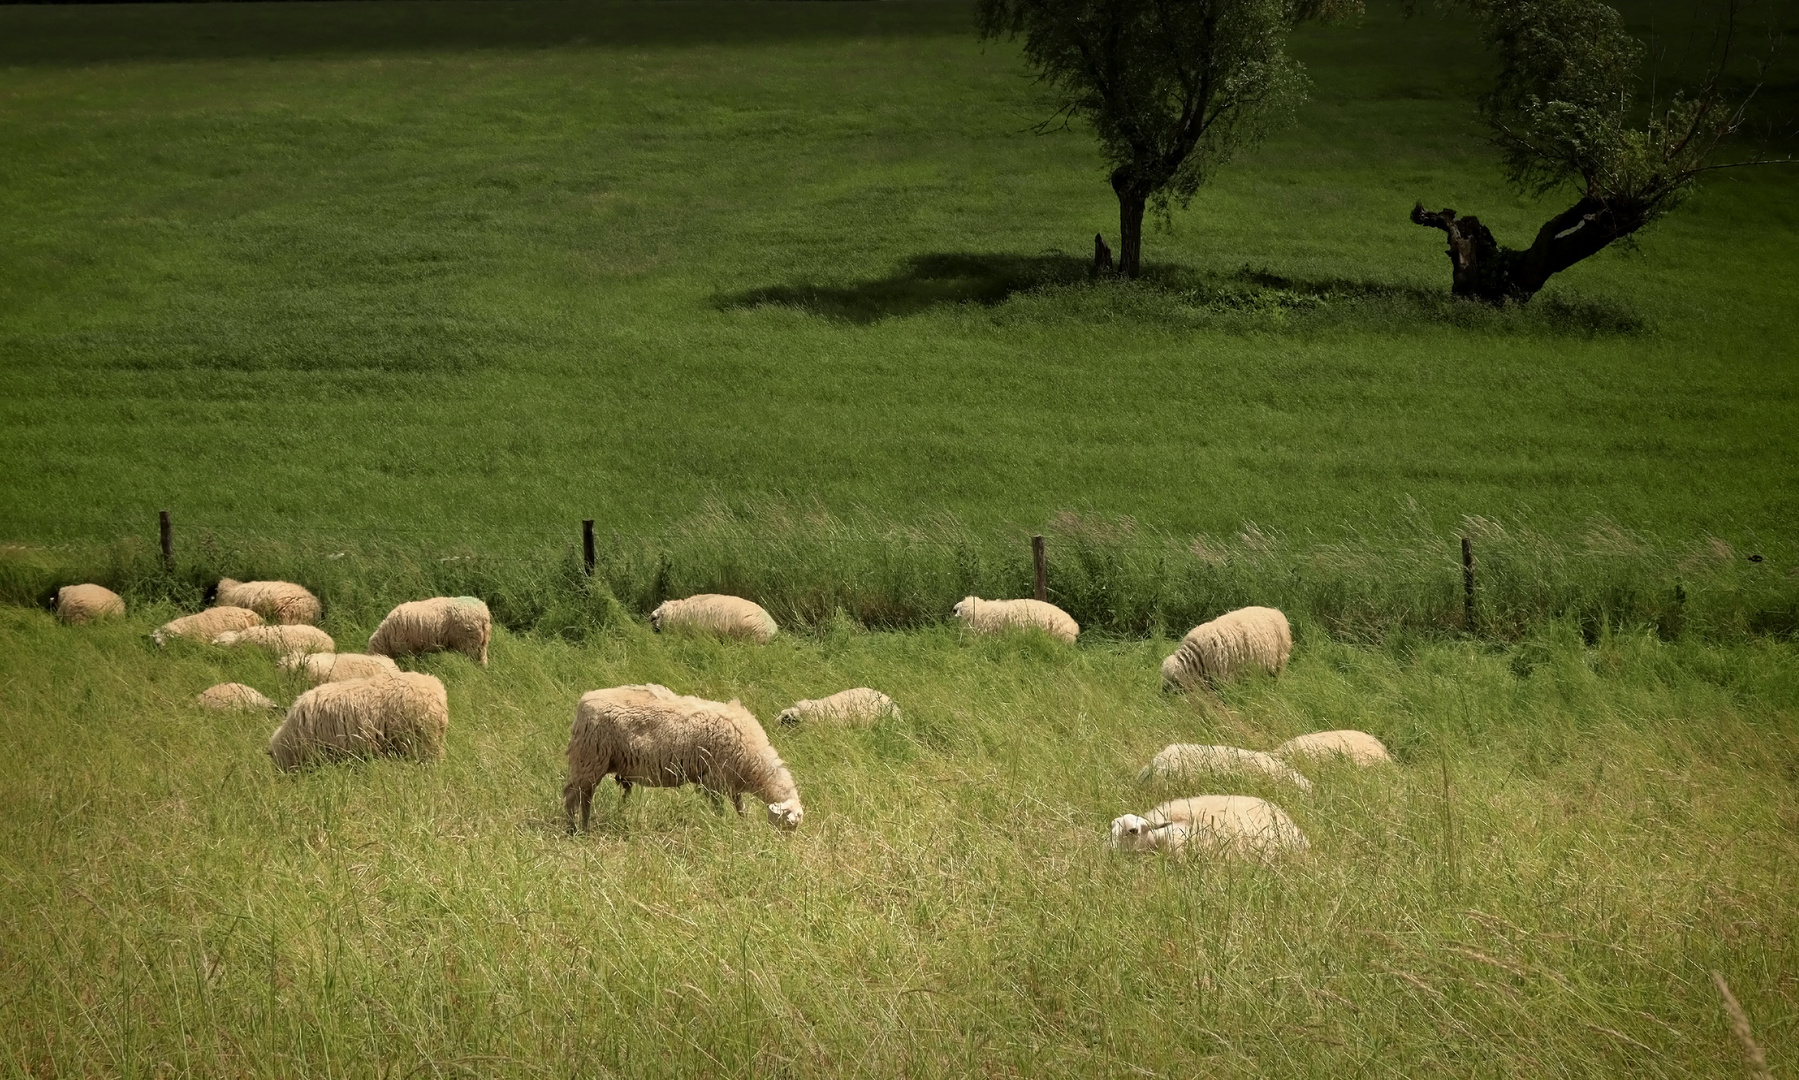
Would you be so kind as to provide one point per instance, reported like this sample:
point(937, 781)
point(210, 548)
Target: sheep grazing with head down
point(277, 601)
point(441, 624)
point(1193, 759)
point(1248, 639)
point(404, 715)
point(1002, 616)
point(648, 734)
point(86, 603)
point(858, 706)
point(715, 613)
point(207, 625)
point(1356, 747)
point(1216, 824)
point(280, 640)
point(234, 697)
point(327, 667)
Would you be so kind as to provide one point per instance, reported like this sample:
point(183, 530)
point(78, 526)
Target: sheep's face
point(786, 815)
point(790, 716)
point(1131, 833)
point(656, 618)
point(229, 637)
point(964, 608)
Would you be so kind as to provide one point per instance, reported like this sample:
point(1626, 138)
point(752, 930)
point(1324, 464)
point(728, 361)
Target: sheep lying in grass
point(444, 623)
point(1358, 747)
point(234, 697)
point(86, 603)
point(858, 706)
point(715, 613)
point(1251, 638)
point(404, 715)
point(207, 625)
point(648, 734)
point(327, 667)
point(280, 640)
point(1218, 824)
point(1191, 759)
point(1000, 616)
point(277, 601)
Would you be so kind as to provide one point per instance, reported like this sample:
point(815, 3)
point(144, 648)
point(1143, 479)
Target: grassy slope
point(466, 272)
point(1618, 822)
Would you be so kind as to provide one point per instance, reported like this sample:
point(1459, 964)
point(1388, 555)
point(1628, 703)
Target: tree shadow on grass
point(1056, 286)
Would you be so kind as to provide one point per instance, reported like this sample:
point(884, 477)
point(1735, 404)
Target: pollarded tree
point(1172, 87)
point(1564, 110)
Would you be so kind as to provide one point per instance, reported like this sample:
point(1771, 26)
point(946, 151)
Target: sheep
point(233, 697)
point(327, 667)
point(999, 616)
point(1222, 824)
point(282, 640)
point(454, 623)
point(403, 715)
point(648, 734)
point(1251, 637)
point(277, 601)
point(1359, 747)
point(860, 705)
point(86, 603)
point(1184, 759)
point(207, 625)
point(726, 616)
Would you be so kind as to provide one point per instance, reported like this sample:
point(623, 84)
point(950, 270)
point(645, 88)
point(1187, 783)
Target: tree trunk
point(1132, 199)
point(1481, 269)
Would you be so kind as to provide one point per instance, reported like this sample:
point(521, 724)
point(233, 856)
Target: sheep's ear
point(1162, 825)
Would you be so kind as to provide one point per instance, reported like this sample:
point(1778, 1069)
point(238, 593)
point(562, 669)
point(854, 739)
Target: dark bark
point(1133, 198)
point(1482, 269)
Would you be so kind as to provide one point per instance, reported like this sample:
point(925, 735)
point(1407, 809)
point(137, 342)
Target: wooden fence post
point(1468, 583)
point(168, 541)
point(587, 545)
point(1042, 561)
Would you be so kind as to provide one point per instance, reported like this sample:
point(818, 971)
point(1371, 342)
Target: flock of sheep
point(363, 704)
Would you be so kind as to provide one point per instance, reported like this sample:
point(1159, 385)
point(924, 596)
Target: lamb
point(1221, 824)
point(403, 715)
point(999, 616)
point(327, 667)
point(207, 625)
point(233, 697)
point(277, 601)
point(858, 706)
point(453, 623)
point(1235, 642)
point(86, 603)
point(1358, 747)
point(1186, 759)
point(282, 640)
point(726, 616)
point(648, 734)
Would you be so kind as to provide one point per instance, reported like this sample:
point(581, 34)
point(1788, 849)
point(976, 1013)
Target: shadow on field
point(1056, 285)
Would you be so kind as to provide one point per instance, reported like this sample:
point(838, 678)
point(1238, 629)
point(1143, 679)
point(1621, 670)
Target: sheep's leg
point(624, 786)
point(737, 801)
point(575, 793)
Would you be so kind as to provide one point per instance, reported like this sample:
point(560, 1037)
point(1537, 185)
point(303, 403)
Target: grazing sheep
point(277, 601)
point(234, 697)
point(1187, 759)
point(1213, 652)
point(402, 715)
point(327, 667)
point(450, 623)
point(1224, 824)
point(714, 613)
point(1359, 747)
point(858, 706)
point(648, 734)
point(281, 640)
point(207, 624)
point(999, 616)
point(85, 603)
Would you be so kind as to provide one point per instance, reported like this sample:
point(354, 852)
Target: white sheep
point(1189, 759)
point(86, 603)
point(1219, 824)
point(207, 625)
point(404, 715)
point(234, 697)
point(280, 640)
point(1251, 638)
point(452, 623)
point(327, 667)
point(715, 613)
point(1357, 747)
point(1000, 616)
point(648, 734)
point(858, 706)
point(277, 601)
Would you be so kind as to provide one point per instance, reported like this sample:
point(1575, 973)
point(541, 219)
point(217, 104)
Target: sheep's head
point(229, 637)
point(790, 715)
point(786, 815)
point(964, 608)
point(1173, 673)
point(212, 591)
point(656, 616)
point(1130, 833)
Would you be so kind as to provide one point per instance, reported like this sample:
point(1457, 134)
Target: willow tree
point(1172, 88)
